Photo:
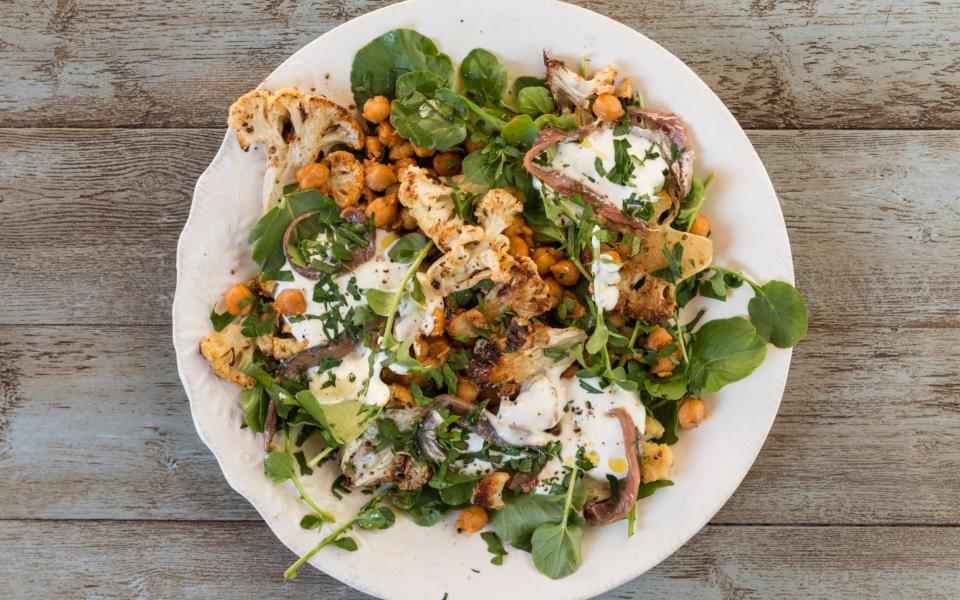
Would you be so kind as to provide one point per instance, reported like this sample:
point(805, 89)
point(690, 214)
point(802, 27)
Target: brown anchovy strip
point(351, 214)
point(615, 508)
point(297, 364)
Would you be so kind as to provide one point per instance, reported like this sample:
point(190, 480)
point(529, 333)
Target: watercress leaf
point(379, 301)
point(379, 517)
point(723, 351)
point(779, 314)
point(266, 237)
point(423, 81)
point(647, 489)
point(345, 420)
point(564, 122)
point(556, 549)
point(459, 494)
point(276, 276)
point(520, 131)
point(345, 543)
point(278, 466)
point(494, 547)
point(672, 388)
point(484, 76)
point(715, 287)
point(407, 248)
point(428, 509)
point(667, 415)
point(598, 339)
point(377, 65)
point(254, 403)
point(220, 321)
point(522, 515)
point(535, 101)
point(428, 115)
point(690, 206)
point(525, 81)
point(312, 521)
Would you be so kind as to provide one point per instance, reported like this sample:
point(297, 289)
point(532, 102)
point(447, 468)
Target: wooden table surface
point(109, 111)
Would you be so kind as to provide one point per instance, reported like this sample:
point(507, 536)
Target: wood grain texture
point(229, 560)
point(872, 216)
point(179, 63)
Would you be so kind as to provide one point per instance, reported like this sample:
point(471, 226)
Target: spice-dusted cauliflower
point(569, 90)
point(656, 462)
point(227, 351)
point(525, 293)
point(294, 128)
point(279, 347)
point(519, 357)
point(471, 252)
point(346, 177)
point(488, 493)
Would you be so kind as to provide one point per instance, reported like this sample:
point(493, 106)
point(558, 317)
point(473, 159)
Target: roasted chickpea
point(439, 350)
point(518, 247)
point(691, 412)
point(238, 299)
point(374, 147)
point(607, 107)
point(290, 303)
point(447, 163)
point(515, 227)
point(382, 210)
point(402, 164)
point(616, 319)
point(401, 150)
point(545, 257)
point(472, 519)
point(467, 389)
point(376, 109)
point(424, 152)
point(388, 135)
point(701, 225)
point(472, 145)
point(571, 307)
point(658, 338)
point(379, 176)
point(314, 176)
point(406, 219)
point(566, 272)
point(663, 367)
point(554, 291)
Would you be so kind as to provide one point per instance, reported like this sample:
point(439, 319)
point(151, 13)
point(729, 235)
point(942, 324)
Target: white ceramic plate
point(407, 561)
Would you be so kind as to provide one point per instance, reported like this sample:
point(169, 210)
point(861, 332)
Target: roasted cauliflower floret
point(227, 351)
point(294, 128)
point(656, 462)
point(471, 252)
point(346, 177)
point(652, 429)
point(525, 293)
point(569, 90)
point(364, 466)
point(520, 357)
point(488, 493)
point(279, 347)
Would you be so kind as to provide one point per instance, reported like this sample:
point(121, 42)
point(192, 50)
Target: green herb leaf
point(522, 515)
point(779, 314)
point(525, 81)
point(312, 521)
point(220, 321)
point(520, 131)
point(345, 420)
point(494, 547)
point(484, 76)
point(407, 248)
point(254, 403)
point(426, 113)
point(266, 237)
point(690, 205)
point(721, 352)
point(345, 543)
point(647, 489)
point(278, 466)
point(564, 122)
point(556, 549)
point(379, 301)
point(377, 65)
point(535, 101)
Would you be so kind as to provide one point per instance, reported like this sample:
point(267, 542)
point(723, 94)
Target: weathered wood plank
point(173, 560)
point(874, 219)
point(95, 425)
point(828, 64)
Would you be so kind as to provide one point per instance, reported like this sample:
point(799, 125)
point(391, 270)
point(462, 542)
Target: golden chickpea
point(545, 257)
point(401, 150)
point(379, 177)
point(374, 147)
point(691, 412)
point(574, 309)
point(554, 291)
point(663, 367)
point(406, 219)
point(515, 227)
point(402, 164)
point(424, 152)
point(290, 303)
point(376, 109)
point(701, 225)
point(467, 389)
point(439, 350)
point(388, 135)
point(518, 247)
point(313, 176)
point(466, 324)
point(472, 145)
point(238, 299)
point(658, 338)
point(447, 164)
point(382, 210)
point(616, 319)
point(472, 519)
point(566, 272)
point(607, 107)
